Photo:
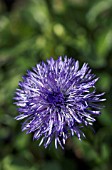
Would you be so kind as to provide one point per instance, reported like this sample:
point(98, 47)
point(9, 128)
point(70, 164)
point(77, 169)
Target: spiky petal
point(57, 99)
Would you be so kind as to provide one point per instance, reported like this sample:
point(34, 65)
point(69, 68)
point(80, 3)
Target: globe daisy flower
point(57, 99)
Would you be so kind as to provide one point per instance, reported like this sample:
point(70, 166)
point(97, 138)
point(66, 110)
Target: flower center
point(55, 98)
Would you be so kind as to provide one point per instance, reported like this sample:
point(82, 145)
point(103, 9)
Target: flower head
point(57, 99)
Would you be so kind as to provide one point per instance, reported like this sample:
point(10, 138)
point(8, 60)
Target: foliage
point(32, 31)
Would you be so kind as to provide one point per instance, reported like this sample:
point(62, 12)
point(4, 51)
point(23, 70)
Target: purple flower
point(57, 99)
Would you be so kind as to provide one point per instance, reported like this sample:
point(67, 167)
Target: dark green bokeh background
point(32, 31)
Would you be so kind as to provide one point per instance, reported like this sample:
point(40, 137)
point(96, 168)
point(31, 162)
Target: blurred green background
point(32, 31)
